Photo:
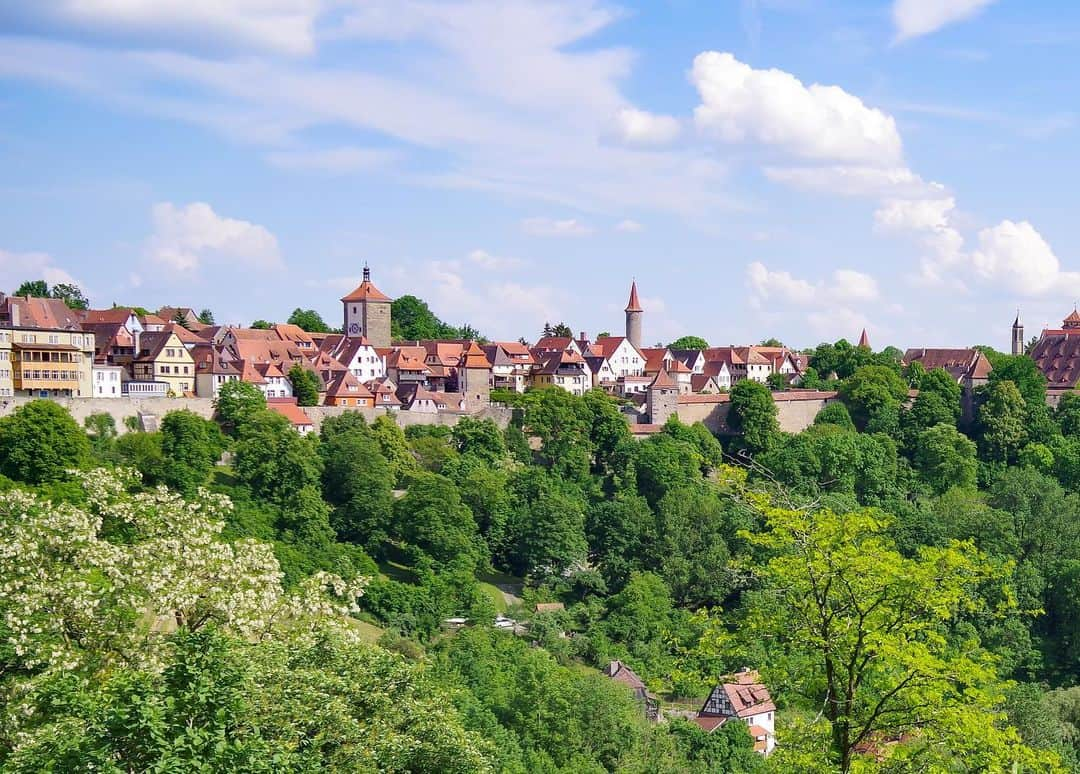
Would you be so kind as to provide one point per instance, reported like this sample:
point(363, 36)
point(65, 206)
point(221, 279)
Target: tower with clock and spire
point(367, 313)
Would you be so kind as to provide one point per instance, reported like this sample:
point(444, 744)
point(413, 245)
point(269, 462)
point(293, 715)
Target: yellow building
point(164, 358)
point(44, 363)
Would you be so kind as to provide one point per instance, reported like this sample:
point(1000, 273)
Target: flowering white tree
point(101, 584)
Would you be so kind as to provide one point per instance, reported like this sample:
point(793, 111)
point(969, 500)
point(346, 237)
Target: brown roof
point(1058, 357)
point(548, 607)
point(633, 305)
point(117, 315)
point(959, 363)
point(553, 343)
point(474, 357)
point(287, 408)
point(620, 672)
point(344, 385)
point(864, 340)
point(366, 291)
point(720, 397)
point(709, 722)
point(746, 695)
point(699, 382)
point(654, 358)
point(44, 313)
point(664, 380)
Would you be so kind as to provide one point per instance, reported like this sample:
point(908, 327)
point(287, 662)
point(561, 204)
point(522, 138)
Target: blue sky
point(788, 168)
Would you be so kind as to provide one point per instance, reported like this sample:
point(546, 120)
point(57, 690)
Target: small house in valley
point(742, 697)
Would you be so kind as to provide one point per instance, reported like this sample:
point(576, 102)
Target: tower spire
point(633, 305)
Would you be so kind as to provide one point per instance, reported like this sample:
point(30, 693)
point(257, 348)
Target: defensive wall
point(122, 408)
point(795, 410)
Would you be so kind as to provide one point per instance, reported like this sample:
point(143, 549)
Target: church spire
point(1018, 335)
point(633, 305)
point(864, 340)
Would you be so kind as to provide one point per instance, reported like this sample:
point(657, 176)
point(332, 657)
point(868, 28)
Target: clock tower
point(367, 313)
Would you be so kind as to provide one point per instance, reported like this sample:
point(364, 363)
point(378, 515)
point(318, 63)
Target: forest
point(228, 595)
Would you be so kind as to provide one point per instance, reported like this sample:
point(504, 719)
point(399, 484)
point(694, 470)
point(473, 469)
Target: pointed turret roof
point(367, 291)
point(663, 380)
point(633, 305)
point(1073, 320)
point(1016, 323)
point(864, 340)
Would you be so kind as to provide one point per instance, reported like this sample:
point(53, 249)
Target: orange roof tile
point(366, 291)
point(633, 305)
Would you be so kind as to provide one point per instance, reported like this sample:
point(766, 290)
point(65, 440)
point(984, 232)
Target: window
point(54, 339)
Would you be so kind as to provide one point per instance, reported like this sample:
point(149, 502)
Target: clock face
point(354, 328)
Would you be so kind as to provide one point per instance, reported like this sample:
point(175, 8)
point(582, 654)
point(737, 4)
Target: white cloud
point(629, 226)
point(332, 160)
point(16, 268)
point(284, 26)
point(187, 237)
point(914, 18)
point(548, 227)
point(931, 222)
point(639, 127)
point(825, 304)
point(491, 262)
point(1016, 256)
point(845, 285)
point(774, 108)
point(853, 180)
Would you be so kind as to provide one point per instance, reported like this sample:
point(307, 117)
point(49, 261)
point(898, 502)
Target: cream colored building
point(164, 358)
point(46, 363)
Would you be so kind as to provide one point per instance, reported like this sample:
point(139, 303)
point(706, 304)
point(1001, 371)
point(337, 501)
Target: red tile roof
point(366, 291)
point(633, 305)
point(287, 408)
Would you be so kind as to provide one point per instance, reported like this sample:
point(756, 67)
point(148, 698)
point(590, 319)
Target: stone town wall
point(793, 416)
point(122, 408)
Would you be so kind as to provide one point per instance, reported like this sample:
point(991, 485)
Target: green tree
point(273, 459)
point(191, 445)
point(866, 629)
point(71, 295)
point(305, 384)
point(101, 429)
point(142, 451)
point(689, 342)
point(562, 330)
point(873, 392)
point(1021, 371)
point(432, 517)
point(206, 317)
point(33, 289)
point(776, 381)
point(181, 319)
point(946, 458)
point(394, 447)
point(357, 480)
point(308, 319)
point(480, 438)
point(40, 442)
point(263, 325)
point(1002, 422)
point(753, 413)
point(412, 320)
point(1067, 414)
point(547, 527)
point(236, 403)
point(835, 414)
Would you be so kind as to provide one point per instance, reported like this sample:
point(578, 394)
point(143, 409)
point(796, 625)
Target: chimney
point(583, 337)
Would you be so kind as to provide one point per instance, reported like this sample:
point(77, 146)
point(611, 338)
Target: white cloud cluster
point(629, 226)
point(16, 268)
point(1016, 256)
point(187, 237)
point(548, 227)
point(639, 127)
point(774, 108)
point(828, 305)
point(914, 18)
